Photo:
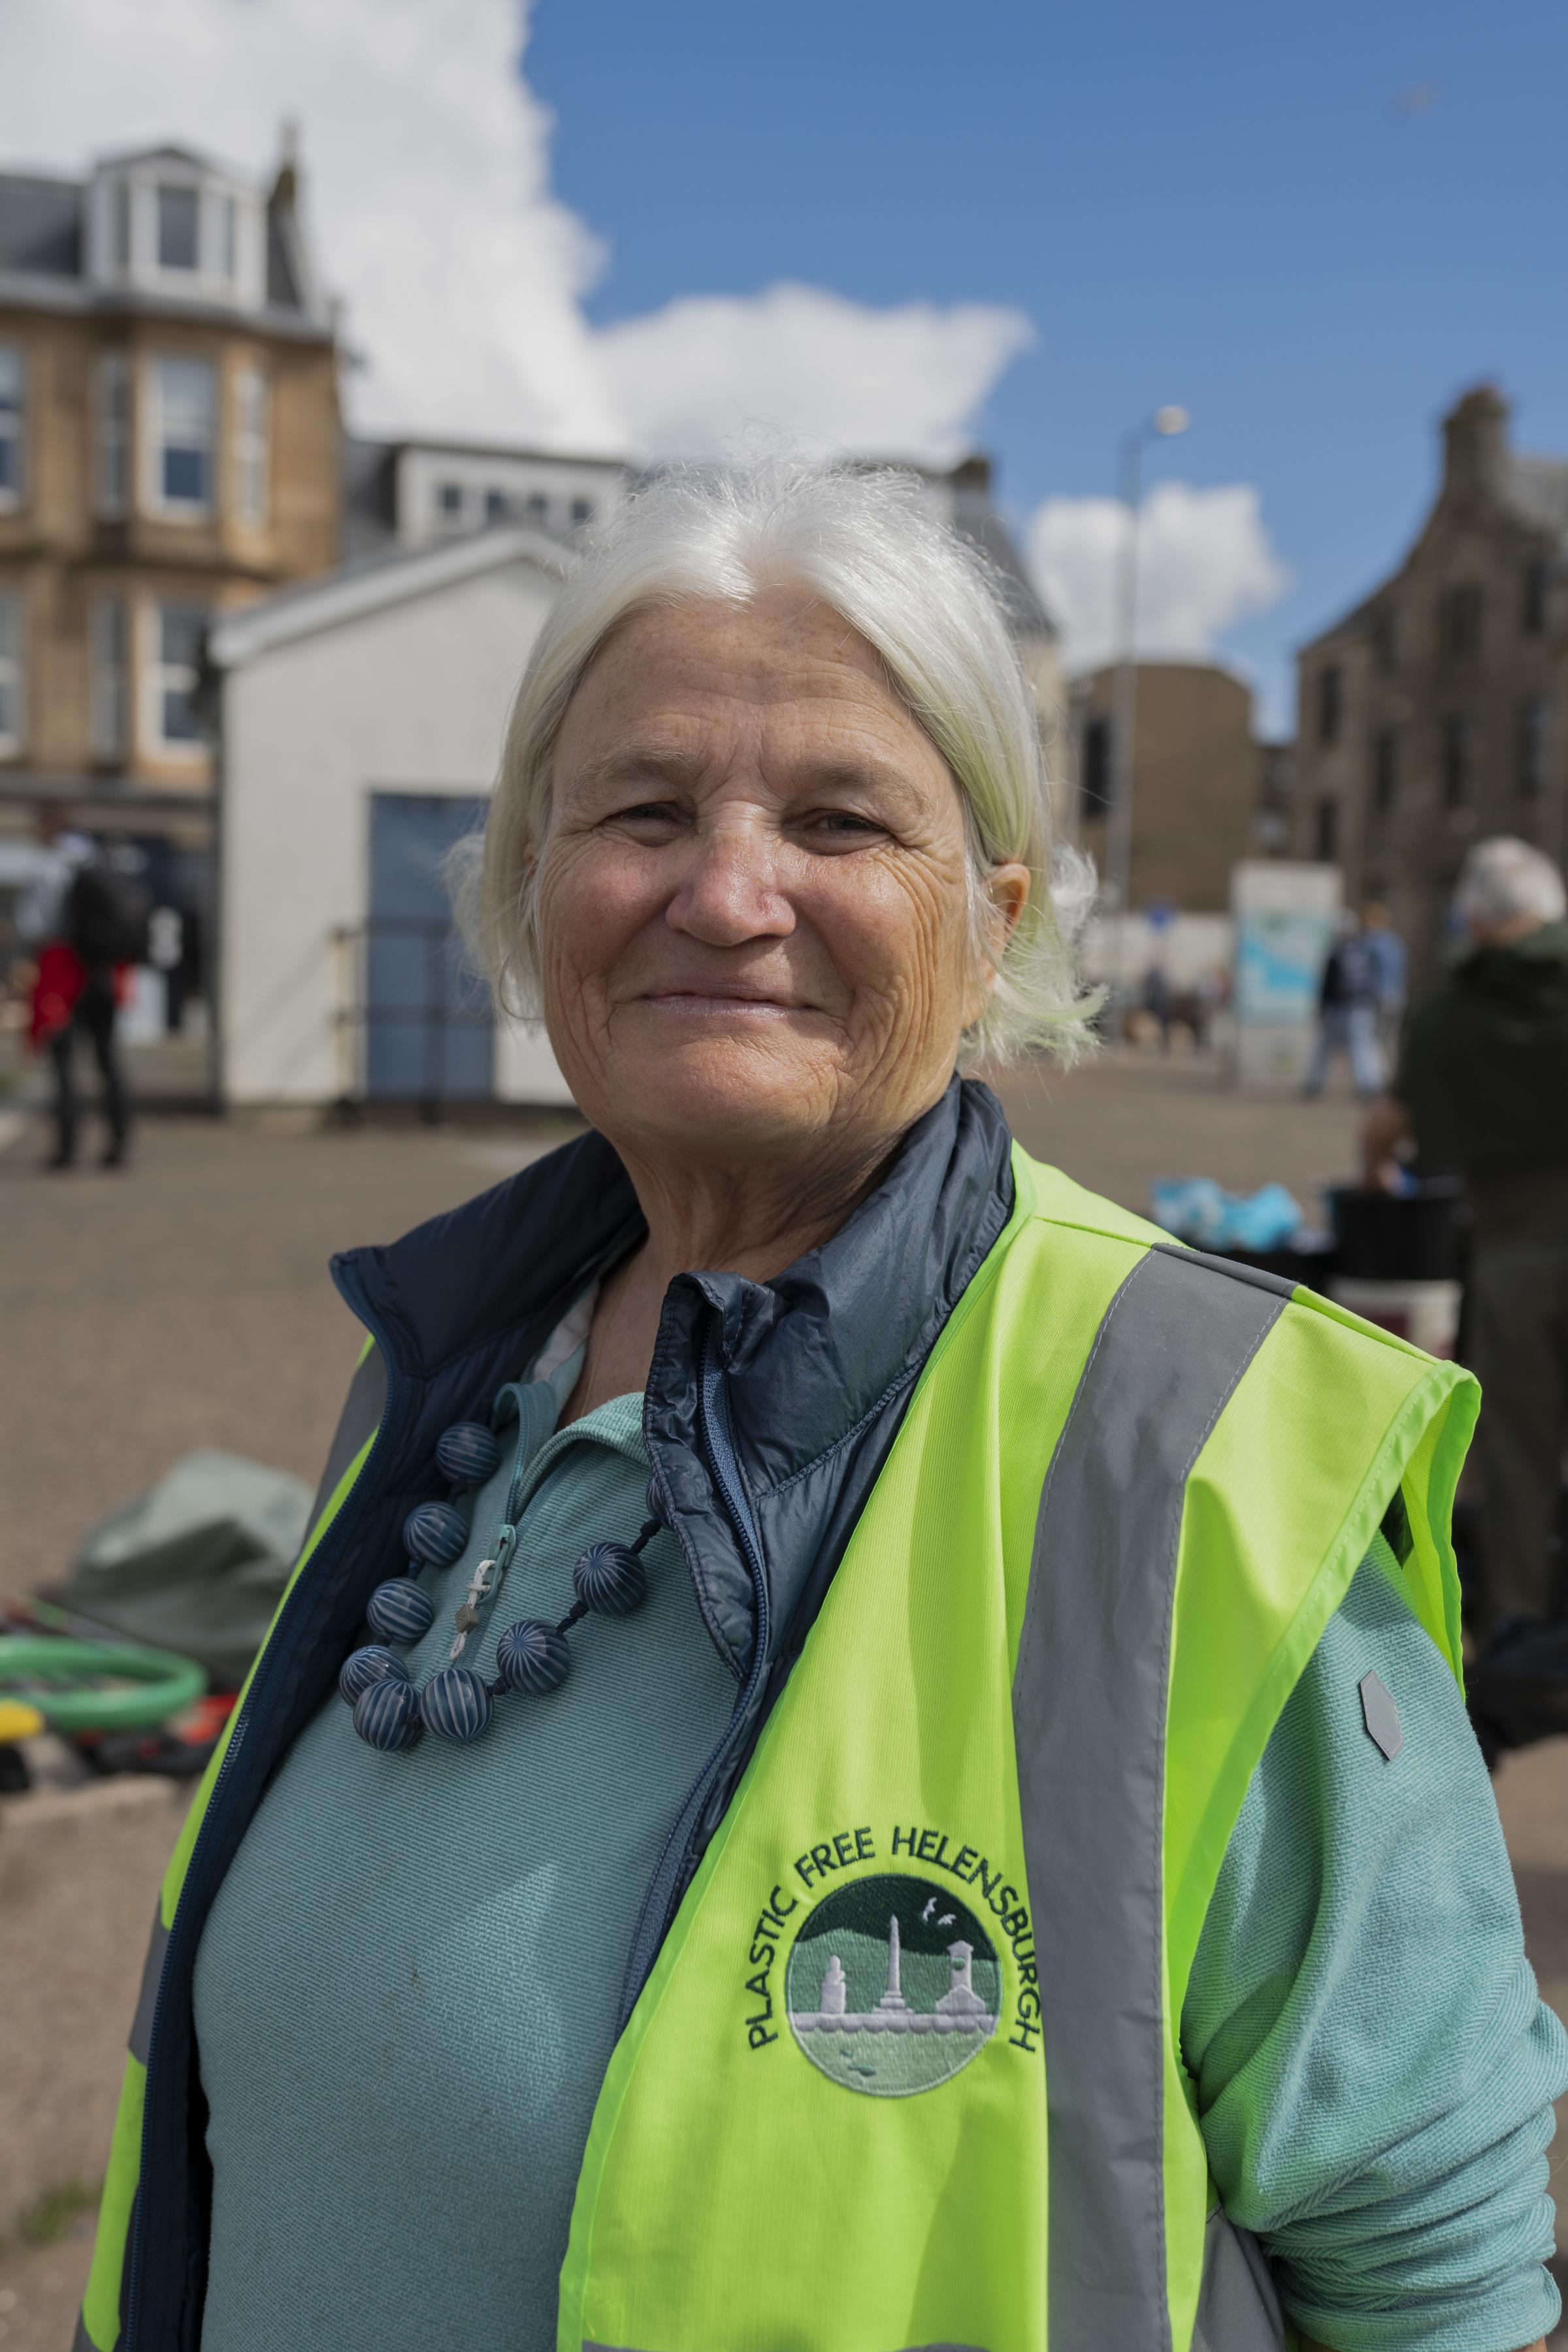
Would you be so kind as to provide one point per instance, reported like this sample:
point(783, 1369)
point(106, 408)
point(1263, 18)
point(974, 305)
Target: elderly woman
point(863, 1753)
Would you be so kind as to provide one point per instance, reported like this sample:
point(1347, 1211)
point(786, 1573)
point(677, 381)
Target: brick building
point(1435, 712)
point(1204, 788)
point(169, 449)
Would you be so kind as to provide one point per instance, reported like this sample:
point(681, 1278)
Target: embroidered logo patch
point(892, 1985)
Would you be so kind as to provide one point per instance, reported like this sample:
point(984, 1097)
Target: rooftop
point(1537, 489)
point(1532, 490)
point(94, 242)
point(372, 583)
point(40, 224)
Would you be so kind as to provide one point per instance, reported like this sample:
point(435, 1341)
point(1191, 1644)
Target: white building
point(409, 493)
point(361, 725)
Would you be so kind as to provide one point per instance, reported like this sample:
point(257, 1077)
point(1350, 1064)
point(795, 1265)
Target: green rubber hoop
point(160, 1683)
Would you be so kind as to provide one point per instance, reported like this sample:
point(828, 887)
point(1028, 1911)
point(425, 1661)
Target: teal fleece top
point(407, 1990)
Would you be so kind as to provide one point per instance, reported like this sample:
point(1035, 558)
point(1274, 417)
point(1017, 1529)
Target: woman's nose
point(730, 890)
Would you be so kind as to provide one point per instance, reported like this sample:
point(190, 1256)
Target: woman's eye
point(648, 813)
point(843, 824)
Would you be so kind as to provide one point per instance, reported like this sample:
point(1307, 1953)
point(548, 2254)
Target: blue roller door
point(430, 1031)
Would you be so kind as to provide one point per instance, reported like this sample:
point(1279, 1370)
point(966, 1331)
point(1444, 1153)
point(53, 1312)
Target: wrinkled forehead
point(701, 677)
point(770, 647)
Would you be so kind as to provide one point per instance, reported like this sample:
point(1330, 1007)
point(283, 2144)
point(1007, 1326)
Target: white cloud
point(428, 169)
point(896, 382)
point(1205, 563)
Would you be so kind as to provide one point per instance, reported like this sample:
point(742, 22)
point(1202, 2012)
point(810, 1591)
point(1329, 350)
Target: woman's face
point(752, 895)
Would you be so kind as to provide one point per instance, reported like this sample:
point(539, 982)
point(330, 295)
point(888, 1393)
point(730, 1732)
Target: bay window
point(170, 700)
point(252, 406)
point(10, 670)
point(184, 402)
point(13, 423)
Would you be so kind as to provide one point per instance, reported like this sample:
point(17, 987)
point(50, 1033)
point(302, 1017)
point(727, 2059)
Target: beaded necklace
point(533, 1657)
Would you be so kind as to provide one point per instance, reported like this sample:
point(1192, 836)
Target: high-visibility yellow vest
point(907, 2072)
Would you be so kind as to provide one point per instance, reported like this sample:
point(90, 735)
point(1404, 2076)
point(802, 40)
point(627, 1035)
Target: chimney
point(973, 474)
point(285, 191)
point(1475, 446)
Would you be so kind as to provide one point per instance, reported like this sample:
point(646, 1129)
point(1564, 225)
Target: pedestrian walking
point(1388, 962)
point(1347, 1015)
point(864, 1751)
point(1159, 1002)
point(87, 919)
point(1482, 1089)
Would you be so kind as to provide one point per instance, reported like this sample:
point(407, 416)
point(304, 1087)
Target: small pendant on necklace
point(466, 1618)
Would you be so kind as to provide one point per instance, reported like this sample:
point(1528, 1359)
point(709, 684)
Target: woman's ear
point(1005, 890)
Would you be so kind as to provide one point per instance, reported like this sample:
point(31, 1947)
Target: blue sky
point(1223, 206)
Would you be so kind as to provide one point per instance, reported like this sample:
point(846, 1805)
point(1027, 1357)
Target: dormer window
point(171, 223)
point(179, 228)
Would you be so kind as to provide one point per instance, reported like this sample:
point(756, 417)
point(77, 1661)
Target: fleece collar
point(818, 1362)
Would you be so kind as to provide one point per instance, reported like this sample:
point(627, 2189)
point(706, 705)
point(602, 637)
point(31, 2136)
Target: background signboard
point(1285, 917)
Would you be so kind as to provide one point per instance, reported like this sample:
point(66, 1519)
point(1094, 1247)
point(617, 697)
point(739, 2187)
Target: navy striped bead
point(436, 1533)
point(467, 1454)
point(386, 1713)
point(611, 1578)
point(398, 1610)
point(370, 1664)
point(456, 1703)
point(533, 1657)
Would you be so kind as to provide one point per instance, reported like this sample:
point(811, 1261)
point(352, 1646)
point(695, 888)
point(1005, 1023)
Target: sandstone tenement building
point(1436, 711)
point(169, 448)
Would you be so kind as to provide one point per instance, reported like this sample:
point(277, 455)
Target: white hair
point(869, 545)
point(1504, 878)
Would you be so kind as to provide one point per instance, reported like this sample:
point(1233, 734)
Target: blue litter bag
point(1198, 1210)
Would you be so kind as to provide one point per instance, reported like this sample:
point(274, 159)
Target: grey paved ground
point(186, 1303)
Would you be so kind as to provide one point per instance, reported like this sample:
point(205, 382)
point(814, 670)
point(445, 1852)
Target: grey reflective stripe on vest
point(360, 1419)
point(1238, 2310)
point(1088, 1711)
point(152, 1969)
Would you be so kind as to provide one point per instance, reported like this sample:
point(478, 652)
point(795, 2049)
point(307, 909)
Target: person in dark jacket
point(1347, 1013)
point(795, 1938)
point(1482, 1089)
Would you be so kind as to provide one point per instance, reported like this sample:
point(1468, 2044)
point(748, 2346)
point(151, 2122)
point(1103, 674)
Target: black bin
point(1398, 1236)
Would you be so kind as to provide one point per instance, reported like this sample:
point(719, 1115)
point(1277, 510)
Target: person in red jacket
point(75, 993)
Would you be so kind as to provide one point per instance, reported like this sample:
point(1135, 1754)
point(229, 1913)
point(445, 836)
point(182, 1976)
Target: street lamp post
point(1165, 424)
